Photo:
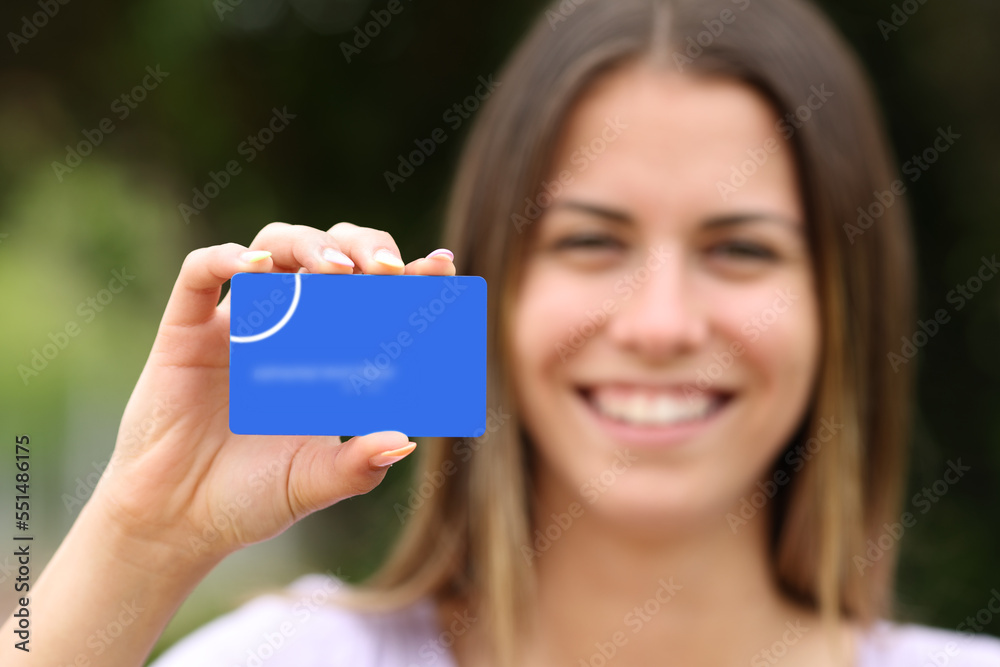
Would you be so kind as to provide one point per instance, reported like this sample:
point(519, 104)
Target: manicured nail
point(337, 257)
point(386, 459)
point(383, 256)
point(442, 252)
point(252, 256)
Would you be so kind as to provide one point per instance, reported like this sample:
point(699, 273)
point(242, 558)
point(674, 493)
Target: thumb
point(325, 472)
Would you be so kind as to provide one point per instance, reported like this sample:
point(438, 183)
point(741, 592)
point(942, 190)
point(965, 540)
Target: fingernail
point(442, 252)
point(337, 257)
point(252, 256)
point(386, 459)
point(383, 256)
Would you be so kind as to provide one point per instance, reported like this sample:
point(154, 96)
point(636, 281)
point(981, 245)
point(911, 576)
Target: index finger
point(195, 295)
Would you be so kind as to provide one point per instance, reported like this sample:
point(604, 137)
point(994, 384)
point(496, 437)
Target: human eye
point(587, 242)
point(743, 250)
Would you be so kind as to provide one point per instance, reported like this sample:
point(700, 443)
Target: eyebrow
point(715, 222)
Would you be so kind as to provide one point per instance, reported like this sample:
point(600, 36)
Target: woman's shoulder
point(304, 626)
point(888, 644)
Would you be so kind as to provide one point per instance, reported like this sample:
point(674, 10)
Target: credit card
point(315, 354)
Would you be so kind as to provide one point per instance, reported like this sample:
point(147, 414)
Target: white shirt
point(305, 629)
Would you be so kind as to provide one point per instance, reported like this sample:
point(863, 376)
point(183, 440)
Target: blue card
point(313, 354)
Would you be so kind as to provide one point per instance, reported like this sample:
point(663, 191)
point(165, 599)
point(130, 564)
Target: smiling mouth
point(651, 407)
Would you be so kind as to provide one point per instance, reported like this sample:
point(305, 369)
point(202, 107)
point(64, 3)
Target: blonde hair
point(464, 540)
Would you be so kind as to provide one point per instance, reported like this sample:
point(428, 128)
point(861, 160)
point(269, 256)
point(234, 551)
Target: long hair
point(464, 538)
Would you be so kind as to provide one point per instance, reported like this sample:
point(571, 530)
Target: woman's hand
point(178, 477)
point(182, 491)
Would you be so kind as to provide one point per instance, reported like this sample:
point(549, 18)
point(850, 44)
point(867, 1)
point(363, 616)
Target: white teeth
point(644, 408)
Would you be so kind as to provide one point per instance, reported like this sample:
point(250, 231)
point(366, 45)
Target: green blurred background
point(62, 234)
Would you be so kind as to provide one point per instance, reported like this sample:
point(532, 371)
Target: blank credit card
point(314, 354)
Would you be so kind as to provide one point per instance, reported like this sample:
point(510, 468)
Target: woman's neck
point(704, 596)
point(607, 587)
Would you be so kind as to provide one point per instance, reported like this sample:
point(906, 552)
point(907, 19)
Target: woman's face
point(665, 332)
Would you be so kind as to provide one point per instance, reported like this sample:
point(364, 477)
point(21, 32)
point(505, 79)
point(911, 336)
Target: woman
point(694, 429)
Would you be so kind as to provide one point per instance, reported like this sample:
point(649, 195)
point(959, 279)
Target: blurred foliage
point(61, 235)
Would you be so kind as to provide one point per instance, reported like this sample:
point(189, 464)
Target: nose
point(661, 315)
